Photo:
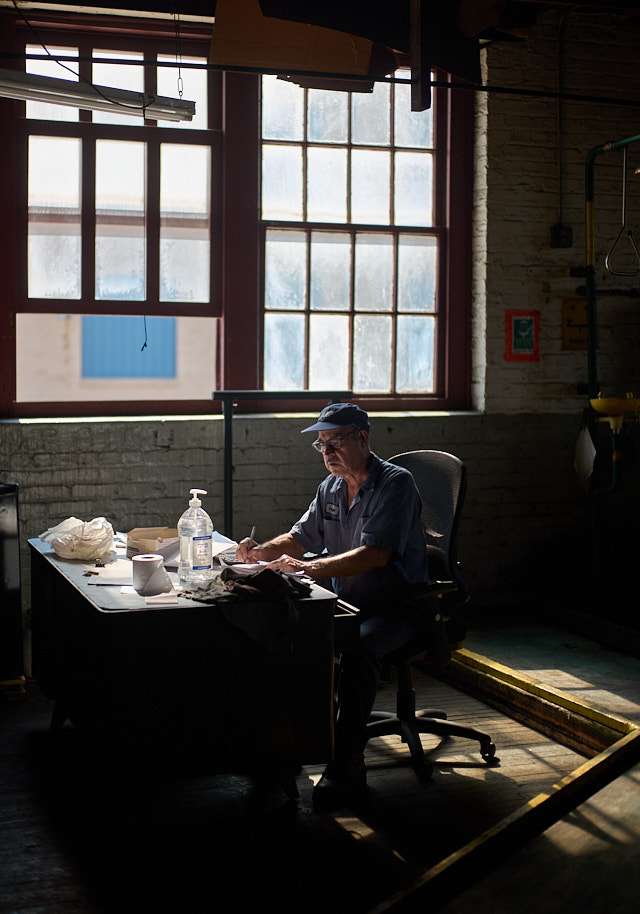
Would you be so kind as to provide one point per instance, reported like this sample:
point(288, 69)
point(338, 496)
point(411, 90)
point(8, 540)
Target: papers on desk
point(116, 573)
point(220, 544)
point(242, 568)
point(159, 599)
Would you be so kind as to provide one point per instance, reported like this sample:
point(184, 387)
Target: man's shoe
point(343, 781)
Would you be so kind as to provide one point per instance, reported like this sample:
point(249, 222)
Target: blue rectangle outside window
point(112, 346)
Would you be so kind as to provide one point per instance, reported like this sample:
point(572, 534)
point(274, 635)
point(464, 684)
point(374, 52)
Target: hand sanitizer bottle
point(194, 530)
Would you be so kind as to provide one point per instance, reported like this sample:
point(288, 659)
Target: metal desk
point(180, 684)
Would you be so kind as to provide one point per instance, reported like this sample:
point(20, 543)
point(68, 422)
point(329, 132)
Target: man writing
point(365, 519)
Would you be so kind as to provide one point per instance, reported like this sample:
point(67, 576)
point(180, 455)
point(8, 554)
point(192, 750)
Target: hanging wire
point(176, 19)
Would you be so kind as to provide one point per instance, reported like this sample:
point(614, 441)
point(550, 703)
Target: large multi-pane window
point(287, 239)
point(352, 240)
point(119, 210)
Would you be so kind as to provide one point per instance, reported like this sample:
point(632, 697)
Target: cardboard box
point(160, 540)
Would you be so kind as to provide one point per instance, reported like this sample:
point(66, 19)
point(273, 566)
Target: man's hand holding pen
point(246, 550)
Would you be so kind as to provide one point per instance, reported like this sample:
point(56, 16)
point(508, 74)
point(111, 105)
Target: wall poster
point(522, 336)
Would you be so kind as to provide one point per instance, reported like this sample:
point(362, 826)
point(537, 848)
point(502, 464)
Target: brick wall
point(523, 493)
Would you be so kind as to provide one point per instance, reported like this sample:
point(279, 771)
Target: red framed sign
point(522, 336)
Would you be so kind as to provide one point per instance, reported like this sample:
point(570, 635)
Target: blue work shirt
point(385, 513)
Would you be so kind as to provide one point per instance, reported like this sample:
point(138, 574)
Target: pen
point(251, 536)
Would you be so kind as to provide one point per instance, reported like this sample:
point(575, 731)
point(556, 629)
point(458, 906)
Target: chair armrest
point(421, 593)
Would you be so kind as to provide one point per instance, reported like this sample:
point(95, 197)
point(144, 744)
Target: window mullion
point(394, 316)
point(152, 221)
point(152, 196)
point(85, 73)
point(307, 307)
point(88, 223)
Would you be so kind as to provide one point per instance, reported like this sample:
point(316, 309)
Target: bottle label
point(201, 553)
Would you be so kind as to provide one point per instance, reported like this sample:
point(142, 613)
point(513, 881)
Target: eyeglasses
point(334, 443)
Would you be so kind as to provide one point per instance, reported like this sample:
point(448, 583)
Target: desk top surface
point(116, 597)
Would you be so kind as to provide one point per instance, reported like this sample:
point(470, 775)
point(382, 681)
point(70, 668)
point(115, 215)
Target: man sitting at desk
point(366, 515)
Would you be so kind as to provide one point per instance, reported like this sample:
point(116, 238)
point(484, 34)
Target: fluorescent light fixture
point(29, 87)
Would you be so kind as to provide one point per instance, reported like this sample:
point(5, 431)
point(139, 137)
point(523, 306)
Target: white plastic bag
point(77, 539)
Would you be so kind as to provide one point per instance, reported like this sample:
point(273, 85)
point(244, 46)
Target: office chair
point(441, 480)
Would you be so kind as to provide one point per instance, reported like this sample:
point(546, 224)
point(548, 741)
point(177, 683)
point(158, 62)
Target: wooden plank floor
point(73, 840)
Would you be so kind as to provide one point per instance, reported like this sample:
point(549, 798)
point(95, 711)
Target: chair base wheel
point(488, 753)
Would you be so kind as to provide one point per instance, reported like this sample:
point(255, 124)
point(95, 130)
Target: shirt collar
point(369, 483)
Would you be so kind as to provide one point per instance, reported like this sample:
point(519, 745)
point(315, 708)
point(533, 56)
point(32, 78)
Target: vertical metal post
point(590, 276)
point(227, 411)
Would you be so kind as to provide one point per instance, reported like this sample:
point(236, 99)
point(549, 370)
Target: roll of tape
point(149, 575)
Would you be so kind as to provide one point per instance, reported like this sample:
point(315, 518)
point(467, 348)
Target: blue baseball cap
point(339, 414)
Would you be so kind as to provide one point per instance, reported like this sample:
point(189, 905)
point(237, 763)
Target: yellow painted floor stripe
point(539, 689)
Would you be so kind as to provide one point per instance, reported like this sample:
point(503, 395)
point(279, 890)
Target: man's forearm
point(286, 544)
point(357, 561)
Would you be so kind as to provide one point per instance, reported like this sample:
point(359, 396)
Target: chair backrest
point(441, 480)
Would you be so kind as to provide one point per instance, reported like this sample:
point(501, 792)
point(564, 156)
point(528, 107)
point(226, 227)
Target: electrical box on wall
point(561, 236)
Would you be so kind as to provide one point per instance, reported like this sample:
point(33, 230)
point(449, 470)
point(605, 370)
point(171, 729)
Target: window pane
point(48, 67)
point(113, 346)
point(54, 242)
point(371, 284)
point(185, 218)
point(328, 351)
point(417, 260)
point(284, 352)
point(372, 354)
point(327, 116)
point(194, 85)
point(120, 220)
point(370, 187)
point(415, 355)
point(282, 109)
point(326, 185)
point(411, 128)
point(370, 121)
point(285, 270)
point(330, 271)
point(374, 273)
point(285, 282)
point(49, 354)
point(413, 188)
point(282, 182)
point(119, 76)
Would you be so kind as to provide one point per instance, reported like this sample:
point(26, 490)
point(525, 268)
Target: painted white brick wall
point(519, 201)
